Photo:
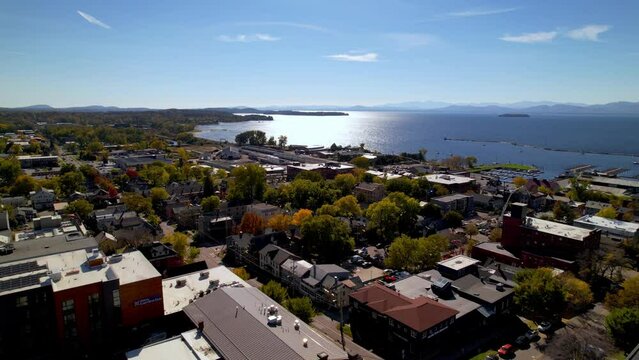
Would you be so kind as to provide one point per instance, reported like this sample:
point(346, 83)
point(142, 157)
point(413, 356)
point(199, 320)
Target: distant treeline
point(122, 127)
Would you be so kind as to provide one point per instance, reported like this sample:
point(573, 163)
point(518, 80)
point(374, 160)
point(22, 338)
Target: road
point(211, 254)
point(329, 328)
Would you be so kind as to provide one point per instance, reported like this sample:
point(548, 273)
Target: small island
point(514, 115)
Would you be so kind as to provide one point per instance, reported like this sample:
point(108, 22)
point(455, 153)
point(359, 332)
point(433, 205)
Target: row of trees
point(623, 321)
point(415, 254)
point(302, 307)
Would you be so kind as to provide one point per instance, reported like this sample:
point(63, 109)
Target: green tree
point(71, 182)
point(402, 184)
point(453, 218)
point(409, 209)
point(281, 141)
point(208, 187)
point(608, 212)
point(623, 326)
point(156, 175)
point(275, 291)
point(271, 141)
point(348, 206)
point(23, 185)
point(210, 203)
point(9, 170)
point(405, 253)
point(158, 195)
point(328, 237)
point(628, 296)
point(361, 162)
point(563, 212)
point(310, 175)
point(279, 222)
point(252, 137)
point(328, 209)
point(440, 190)
point(302, 308)
point(471, 230)
point(383, 218)
point(138, 203)
point(577, 292)
point(539, 292)
point(471, 161)
point(247, 184)
point(578, 190)
point(80, 207)
point(180, 243)
point(345, 183)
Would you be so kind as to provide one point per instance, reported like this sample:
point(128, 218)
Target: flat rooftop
point(458, 262)
point(30, 249)
point(555, 228)
point(421, 285)
point(447, 179)
point(74, 271)
point(449, 198)
point(190, 345)
point(235, 323)
point(310, 167)
point(615, 181)
point(608, 224)
point(177, 297)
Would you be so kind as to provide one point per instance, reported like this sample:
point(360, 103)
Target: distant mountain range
point(527, 107)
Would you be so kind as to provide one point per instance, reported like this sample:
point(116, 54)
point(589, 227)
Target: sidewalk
point(328, 327)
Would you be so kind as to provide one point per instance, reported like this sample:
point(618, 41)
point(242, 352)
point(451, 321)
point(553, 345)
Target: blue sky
point(293, 52)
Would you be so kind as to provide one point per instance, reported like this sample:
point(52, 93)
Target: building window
point(413, 334)
point(22, 301)
point(95, 310)
point(116, 298)
point(68, 318)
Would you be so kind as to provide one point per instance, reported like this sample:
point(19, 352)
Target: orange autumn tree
point(279, 222)
point(252, 224)
point(300, 216)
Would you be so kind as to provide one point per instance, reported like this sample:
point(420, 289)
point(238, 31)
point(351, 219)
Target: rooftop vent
point(204, 275)
point(55, 275)
point(305, 342)
point(115, 258)
point(180, 282)
point(500, 287)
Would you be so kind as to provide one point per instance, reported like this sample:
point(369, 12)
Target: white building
point(610, 227)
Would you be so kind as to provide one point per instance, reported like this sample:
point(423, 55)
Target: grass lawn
point(483, 355)
point(347, 330)
point(516, 167)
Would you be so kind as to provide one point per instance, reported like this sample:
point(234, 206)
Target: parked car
point(532, 335)
point(505, 350)
point(492, 357)
point(366, 264)
point(390, 278)
point(521, 341)
point(544, 326)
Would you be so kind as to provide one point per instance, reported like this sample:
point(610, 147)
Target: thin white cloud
point(411, 40)
point(588, 32)
point(311, 27)
point(480, 12)
point(530, 38)
point(367, 57)
point(245, 38)
point(93, 20)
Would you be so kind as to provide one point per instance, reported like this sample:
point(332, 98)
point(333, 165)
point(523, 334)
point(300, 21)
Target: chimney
point(200, 326)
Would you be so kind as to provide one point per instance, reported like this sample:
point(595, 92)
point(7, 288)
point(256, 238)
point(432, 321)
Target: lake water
point(603, 141)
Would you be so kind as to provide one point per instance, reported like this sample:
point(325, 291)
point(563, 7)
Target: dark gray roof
point(235, 324)
point(320, 271)
point(486, 290)
point(276, 253)
point(28, 249)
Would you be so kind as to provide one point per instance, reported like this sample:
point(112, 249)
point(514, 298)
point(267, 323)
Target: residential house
point(321, 279)
point(42, 199)
point(272, 257)
point(15, 201)
point(369, 192)
point(397, 326)
point(460, 203)
point(292, 271)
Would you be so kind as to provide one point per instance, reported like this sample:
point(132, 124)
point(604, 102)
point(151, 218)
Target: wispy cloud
point(530, 38)
point(304, 26)
point(588, 32)
point(245, 38)
point(367, 57)
point(93, 20)
point(411, 40)
point(480, 12)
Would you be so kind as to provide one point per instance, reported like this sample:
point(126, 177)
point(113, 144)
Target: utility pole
point(341, 313)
